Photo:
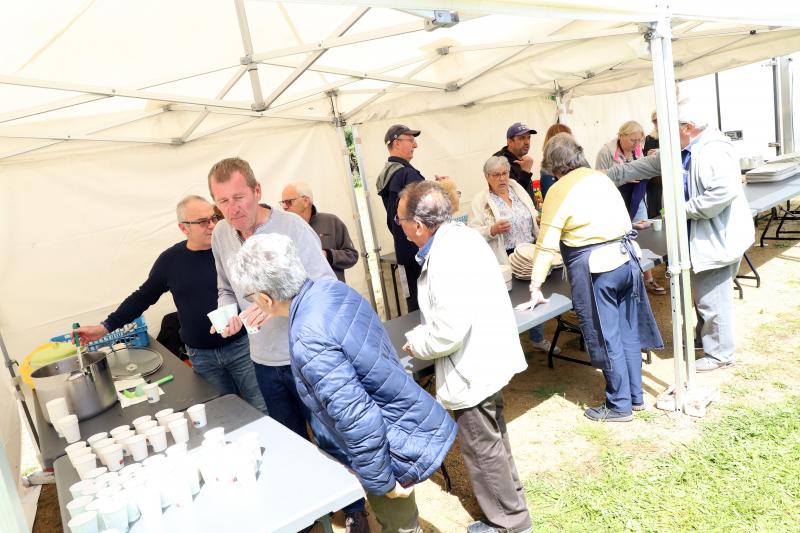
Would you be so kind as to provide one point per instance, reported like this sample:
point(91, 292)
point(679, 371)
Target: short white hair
point(302, 188)
point(692, 112)
point(268, 264)
point(181, 207)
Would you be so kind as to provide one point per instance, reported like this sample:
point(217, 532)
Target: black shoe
point(604, 414)
point(638, 407)
point(356, 522)
point(481, 527)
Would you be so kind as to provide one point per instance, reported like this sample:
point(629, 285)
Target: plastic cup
point(114, 512)
point(130, 471)
point(171, 418)
point(85, 522)
point(119, 429)
point(56, 410)
point(130, 504)
point(94, 507)
point(251, 330)
point(197, 414)
point(107, 478)
point(214, 436)
point(152, 392)
point(137, 446)
point(69, 428)
point(219, 317)
point(95, 473)
point(251, 446)
point(658, 224)
point(75, 446)
point(157, 437)
point(77, 452)
point(76, 489)
point(144, 426)
point(148, 499)
point(78, 505)
point(162, 414)
point(97, 437)
point(176, 450)
point(107, 492)
point(84, 463)
point(179, 429)
point(124, 435)
point(137, 421)
point(114, 457)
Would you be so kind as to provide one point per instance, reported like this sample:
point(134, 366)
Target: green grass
point(546, 392)
point(740, 475)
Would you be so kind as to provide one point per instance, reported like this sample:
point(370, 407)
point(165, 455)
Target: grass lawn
point(743, 474)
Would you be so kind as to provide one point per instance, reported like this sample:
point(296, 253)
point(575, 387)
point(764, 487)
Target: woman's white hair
point(268, 264)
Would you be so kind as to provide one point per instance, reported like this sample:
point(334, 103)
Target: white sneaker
point(544, 346)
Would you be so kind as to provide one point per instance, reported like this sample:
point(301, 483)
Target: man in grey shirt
point(237, 194)
point(298, 198)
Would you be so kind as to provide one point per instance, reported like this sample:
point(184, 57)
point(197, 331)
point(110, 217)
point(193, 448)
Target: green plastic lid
point(50, 353)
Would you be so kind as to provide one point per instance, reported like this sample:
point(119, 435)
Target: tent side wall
point(80, 233)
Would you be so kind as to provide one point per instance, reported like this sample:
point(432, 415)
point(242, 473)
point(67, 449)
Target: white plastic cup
point(197, 414)
point(162, 414)
point(658, 224)
point(84, 463)
point(118, 430)
point(107, 478)
point(144, 426)
point(157, 437)
point(171, 418)
point(176, 450)
point(69, 428)
point(101, 450)
point(130, 504)
point(91, 489)
point(76, 489)
point(219, 317)
point(84, 523)
point(96, 473)
point(251, 330)
point(152, 392)
point(114, 457)
point(141, 419)
point(124, 435)
point(180, 430)
point(214, 436)
point(78, 505)
point(148, 500)
point(69, 448)
point(114, 512)
point(251, 446)
point(56, 410)
point(77, 452)
point(131, 470)
point(94, 507)
point(107, 492)
point(97, 437)
point(137, 446)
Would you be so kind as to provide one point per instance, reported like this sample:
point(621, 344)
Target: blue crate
point(133, 334)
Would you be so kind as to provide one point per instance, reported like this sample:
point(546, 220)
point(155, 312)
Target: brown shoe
point(654, 288)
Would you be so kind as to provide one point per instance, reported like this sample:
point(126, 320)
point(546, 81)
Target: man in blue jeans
point(237, 194)
point(187, 270)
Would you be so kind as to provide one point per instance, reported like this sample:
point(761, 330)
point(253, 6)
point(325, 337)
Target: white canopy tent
point(111, 111)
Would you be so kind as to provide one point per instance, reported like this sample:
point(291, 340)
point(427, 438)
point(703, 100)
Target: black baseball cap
point(518, 128)
point(396, 131)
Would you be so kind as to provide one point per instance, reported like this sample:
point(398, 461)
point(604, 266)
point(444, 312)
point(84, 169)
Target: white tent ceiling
point(109, 70)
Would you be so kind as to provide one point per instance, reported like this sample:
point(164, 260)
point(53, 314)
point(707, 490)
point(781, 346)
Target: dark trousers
point(487, 456)
point(655, 193)
point(285, 406)
point(413, 270)
point(618, 313)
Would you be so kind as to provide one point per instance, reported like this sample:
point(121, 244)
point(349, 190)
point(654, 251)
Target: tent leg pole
point(15, 382)
point(659, 35)
point(370, 219)
point(354, 201)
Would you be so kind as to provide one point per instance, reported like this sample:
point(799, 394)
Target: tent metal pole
point(370, 218)
point(220, 95)
point(659, 37)
point(786, 105)
point(357, 214)
point(252, 66)
point(15, 382)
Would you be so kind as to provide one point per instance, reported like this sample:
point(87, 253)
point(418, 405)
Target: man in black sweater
point(187, 270)
point(518, 144)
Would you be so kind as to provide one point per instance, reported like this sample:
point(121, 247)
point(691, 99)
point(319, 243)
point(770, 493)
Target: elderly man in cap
point(298, 198)
point(720, 225)
point(401, 142)
point(518, 143)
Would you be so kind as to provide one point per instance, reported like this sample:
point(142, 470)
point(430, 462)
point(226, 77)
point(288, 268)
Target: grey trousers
point(490, 465)
point(395, 515)
point(713, 290)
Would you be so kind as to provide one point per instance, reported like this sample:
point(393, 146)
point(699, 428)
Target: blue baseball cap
point(518, 128)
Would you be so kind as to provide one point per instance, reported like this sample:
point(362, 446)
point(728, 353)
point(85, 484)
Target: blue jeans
point(617, 310)
point(536, 333)
point(230, 370)
point(284, 405)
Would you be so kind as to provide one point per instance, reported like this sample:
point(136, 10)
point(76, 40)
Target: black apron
point(576, 263)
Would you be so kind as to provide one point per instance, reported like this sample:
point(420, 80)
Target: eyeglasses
point(249, 297)
point(203, 221)
point(410, 139)
point(289, 201)
point(496, 175)
point(397, 219)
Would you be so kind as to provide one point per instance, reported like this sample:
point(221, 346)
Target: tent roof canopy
point(109, 70)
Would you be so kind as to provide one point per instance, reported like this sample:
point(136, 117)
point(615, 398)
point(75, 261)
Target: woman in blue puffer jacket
point(392, 432)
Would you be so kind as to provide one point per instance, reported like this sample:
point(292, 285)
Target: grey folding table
point(769, 197)
point(185, 390)
point(297, 485)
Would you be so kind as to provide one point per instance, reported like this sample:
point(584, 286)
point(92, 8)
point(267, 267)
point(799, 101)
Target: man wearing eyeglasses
point(401, 142)
point(187, 270)
point(336, 244)
point(518, 144)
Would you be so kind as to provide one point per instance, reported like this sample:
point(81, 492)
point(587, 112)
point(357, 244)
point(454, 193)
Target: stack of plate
point(521, 261)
